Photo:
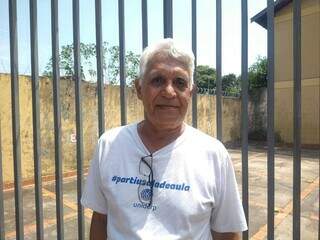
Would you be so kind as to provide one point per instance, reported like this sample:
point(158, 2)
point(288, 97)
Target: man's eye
point(181, 83)
point(157, 81)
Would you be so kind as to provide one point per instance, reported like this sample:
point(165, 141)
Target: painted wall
point(206, 121)
point(310, 73)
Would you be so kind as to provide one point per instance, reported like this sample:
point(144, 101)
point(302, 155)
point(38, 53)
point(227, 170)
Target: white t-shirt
point(194, 188)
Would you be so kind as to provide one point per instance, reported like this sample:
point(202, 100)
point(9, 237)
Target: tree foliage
point(231, 84)
point(206, 81)
point(110, 65)
point(206, 77)
point(258, 73)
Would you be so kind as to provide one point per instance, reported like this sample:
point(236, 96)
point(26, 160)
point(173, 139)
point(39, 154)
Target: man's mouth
point(166, 106)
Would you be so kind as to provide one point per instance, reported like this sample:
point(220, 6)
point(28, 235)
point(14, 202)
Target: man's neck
point(156, 138)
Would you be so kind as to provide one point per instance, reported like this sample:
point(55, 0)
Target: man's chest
point(177, 187)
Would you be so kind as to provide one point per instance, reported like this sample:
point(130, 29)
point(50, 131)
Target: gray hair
point(166, 48)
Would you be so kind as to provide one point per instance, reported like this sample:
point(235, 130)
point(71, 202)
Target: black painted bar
point(100, 82)
point(144, 14)
point(16, 144)
point(122, 63)
point(244, 112)
point(296, 118)
point(218, 68)
point(36, 118)
point(79, 132)
point(167, 19)
point(270, 120)
point(1, 193)
point(194, 49)
point(57, 118)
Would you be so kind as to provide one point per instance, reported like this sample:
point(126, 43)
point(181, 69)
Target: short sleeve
point(93, 196)
point(228, 215)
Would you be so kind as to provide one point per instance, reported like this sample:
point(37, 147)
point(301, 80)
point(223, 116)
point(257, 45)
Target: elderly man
point(160, 178)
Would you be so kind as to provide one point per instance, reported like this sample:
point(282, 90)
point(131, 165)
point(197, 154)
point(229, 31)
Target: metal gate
point(168, 32)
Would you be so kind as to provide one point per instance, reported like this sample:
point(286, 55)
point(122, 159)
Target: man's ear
point(138, 87)
point(194, 89)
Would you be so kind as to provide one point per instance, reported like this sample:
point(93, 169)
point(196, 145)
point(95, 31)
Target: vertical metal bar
point(1, 192)
point(16, 144)
point(244, 111)
point(122, 63)
point(270, 120)
point(218, 69)
point(57, 117)
point(296, 118)
point(144, 13)
point(79, 133)
point(99, 55)
point(36, 117)
point(167, 19)
point(194, 49)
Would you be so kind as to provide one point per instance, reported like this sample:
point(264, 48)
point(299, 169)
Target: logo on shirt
point(144, 206)
point(162, 185)
point(146, 194)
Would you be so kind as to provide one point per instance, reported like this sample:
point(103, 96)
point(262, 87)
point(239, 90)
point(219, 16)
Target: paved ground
point(257, 199)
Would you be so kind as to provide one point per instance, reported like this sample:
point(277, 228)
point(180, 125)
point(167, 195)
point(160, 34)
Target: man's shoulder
point(199, 136)
point(207, 143)
point(117, 133)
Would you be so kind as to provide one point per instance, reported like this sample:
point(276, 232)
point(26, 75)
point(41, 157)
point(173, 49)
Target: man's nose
point(169, 91)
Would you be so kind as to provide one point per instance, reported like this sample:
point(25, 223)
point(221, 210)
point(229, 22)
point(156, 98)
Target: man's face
point(165, 92)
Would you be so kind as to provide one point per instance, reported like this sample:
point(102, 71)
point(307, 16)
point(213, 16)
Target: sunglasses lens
point(145, 192)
